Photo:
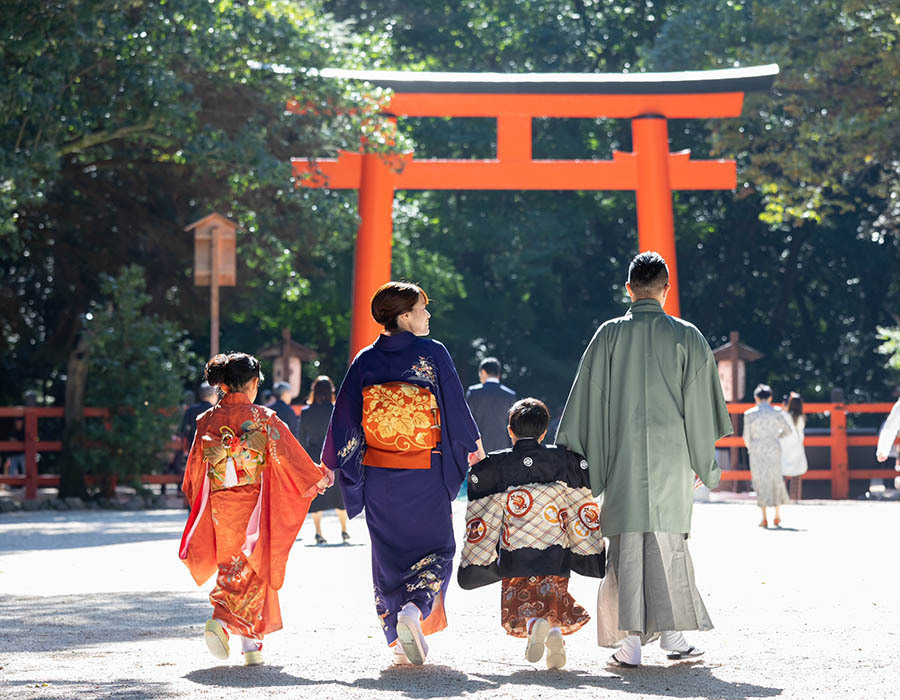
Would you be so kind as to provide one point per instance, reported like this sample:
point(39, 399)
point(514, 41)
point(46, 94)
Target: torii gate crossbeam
point(650, 170)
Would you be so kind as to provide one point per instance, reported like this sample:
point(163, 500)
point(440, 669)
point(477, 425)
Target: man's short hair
point(206, 391)
point(762, 391)
point(280, 388)
point(648, 274)
point(491, 366)
point(529, 418)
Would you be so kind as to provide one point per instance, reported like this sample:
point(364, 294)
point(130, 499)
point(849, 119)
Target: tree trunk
point(71, 479)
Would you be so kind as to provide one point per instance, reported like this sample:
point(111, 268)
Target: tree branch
point(21, 132)
point(99, 137)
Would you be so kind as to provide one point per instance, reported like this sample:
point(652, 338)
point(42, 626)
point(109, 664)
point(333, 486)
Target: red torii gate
point(648, 99)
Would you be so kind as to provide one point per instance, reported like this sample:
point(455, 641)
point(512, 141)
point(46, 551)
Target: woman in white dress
point(793, 454)
point(763, 425)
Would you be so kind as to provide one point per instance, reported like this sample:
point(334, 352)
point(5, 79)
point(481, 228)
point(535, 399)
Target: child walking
point(250, 484)
point(531, 520)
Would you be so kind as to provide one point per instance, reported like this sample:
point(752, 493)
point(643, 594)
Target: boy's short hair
point(529, 418)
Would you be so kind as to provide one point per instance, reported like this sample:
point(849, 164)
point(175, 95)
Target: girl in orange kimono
point(250, 483)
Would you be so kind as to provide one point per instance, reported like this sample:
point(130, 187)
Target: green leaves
point(137, 367)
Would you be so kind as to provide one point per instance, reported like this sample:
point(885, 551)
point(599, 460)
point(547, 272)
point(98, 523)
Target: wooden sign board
point(203, 258)
point(227, 241)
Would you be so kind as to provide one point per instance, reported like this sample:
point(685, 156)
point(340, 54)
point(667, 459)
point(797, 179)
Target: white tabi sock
point(630, 652)
point(673, 641)
point(411, 609)
point(248, 644)
point(224, 626)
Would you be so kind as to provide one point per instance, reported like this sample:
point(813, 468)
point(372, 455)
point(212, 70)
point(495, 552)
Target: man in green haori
point(645, 411)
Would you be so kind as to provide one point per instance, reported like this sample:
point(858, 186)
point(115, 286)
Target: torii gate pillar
point(656, 224)
point(372, 263)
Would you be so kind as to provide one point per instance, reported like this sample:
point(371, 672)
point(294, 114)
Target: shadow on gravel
point(688, 679)
point(44, 531)
point(120, 689)
point(256, 677)
point(53, 623)
point(685, 680)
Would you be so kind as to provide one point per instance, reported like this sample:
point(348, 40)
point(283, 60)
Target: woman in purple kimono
point(400, 440)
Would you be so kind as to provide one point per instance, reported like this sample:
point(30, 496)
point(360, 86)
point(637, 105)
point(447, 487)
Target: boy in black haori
point(532, 520)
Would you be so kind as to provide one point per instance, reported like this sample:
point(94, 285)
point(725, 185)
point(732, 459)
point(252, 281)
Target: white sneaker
point(537, 635)
point(409, 634)
point(556, 649)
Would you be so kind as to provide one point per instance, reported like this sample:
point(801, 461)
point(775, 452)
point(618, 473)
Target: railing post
point(840, 470)
point(31, 438)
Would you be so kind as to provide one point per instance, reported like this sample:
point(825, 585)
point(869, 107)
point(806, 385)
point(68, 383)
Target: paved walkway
point(95, 604)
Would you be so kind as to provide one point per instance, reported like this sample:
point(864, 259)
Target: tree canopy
point(124, 121)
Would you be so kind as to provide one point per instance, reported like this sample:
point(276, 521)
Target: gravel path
point(96, 604)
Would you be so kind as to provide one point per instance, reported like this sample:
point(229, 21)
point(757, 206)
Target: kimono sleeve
point(459, 432)
point(284, 502)
point(583, 426)
point(345, 442)
point(479, 563)
point(193, 470)
point(705, 416)
point(585, 540)
point(198, 541)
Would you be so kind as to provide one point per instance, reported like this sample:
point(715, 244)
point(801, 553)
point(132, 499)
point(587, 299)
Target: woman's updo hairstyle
point(233, 369)
point(395, 299)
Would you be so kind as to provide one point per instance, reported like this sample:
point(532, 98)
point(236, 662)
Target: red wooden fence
point(31, 446)
point(837, 471)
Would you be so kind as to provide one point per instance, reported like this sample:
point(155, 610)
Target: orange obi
point(402, 424)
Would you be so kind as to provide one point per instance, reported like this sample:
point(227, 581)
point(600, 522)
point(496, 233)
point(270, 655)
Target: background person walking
point(489, 402)
point(314, 420)
point(763, 425)
point(793, 454)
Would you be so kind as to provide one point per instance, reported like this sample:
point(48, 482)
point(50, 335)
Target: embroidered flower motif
point(423, 369)
point(348, 447)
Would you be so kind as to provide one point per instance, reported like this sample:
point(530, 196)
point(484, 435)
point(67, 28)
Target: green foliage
point(137, 366)
point(890, 346)
point(827, 139)
point(124, 121)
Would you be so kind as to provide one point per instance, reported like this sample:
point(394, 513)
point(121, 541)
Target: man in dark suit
point(489, 403)
point(208, 397)
point(282, 406)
